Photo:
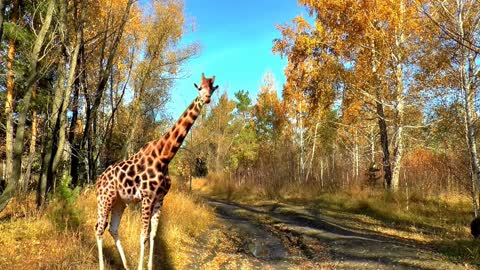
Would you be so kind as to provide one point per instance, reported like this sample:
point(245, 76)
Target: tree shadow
point(457, 249)
point(346, 243)
point(161, 257)
point(313, 221)
point(318, 206)
point(112, 259)
point(111, 256)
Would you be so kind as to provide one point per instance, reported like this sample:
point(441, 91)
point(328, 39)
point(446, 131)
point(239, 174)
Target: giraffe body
point(143, 178)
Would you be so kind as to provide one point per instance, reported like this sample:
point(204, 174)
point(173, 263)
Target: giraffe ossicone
point(143, 178)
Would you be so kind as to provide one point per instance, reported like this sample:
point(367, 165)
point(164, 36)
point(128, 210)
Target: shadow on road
point(348, 247)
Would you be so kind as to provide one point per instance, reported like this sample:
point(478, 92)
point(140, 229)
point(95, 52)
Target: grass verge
point(32, 240)
point(440, 222)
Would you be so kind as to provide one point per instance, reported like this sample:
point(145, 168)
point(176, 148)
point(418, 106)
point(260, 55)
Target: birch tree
point(456, 26)
point(356, 48)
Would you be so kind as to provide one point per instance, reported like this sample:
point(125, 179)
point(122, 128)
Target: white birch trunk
point(399, 109)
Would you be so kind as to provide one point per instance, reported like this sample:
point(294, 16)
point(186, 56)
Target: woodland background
point(379, 94)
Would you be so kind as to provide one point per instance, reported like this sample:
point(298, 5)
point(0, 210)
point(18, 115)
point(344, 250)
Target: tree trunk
point(399, 109)
point(398, 150)
point(384, 142)
point(54, 152)
point(22, 114)
point(104, 74)
point(73, 139)
point(2, 11)
point(382, 123)
point(68, 87)
point(9, 109)
point(301, 177)
point(51, 143)
point(372, 147)
point(321, 172)
point(33, 144)
point(313, 151)
point(472, 147)
point(467, 79)
point(9, 102)
point(469, 96)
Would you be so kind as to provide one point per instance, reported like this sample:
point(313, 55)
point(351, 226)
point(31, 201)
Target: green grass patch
point(440, 222)
point(462, 250)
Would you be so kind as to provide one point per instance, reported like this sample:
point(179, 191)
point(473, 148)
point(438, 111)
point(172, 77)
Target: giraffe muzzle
point(206, 99)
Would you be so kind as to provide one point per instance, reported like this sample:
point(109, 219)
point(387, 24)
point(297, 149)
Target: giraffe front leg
point(153, 231)
point(101, 264)
point(146, 214)
point(143, 240)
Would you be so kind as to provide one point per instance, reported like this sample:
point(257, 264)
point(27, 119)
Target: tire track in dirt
point(281, 236)
point(242, 242)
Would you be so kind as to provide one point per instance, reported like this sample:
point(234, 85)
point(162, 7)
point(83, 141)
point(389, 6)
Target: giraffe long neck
point(175, 136)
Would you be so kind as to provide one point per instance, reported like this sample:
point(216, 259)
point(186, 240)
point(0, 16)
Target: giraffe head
point(206, 88)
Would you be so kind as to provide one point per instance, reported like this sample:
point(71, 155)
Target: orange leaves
point(267, 98)
point(268, 110)
point(301, 24)
point(420, 157)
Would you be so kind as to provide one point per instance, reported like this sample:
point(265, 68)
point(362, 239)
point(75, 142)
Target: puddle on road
point(262, 244)
point(258, 242)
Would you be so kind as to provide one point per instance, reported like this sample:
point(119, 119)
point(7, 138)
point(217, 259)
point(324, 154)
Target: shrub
point(64, 214)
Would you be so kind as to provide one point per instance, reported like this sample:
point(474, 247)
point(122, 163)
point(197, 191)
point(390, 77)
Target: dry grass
point(441, 221)
point(30, 240)
point(219, 185)
point(445, 217)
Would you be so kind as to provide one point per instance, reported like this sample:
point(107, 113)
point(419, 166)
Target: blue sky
point(236, 39)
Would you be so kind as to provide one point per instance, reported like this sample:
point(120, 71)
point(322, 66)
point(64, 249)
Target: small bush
point(64, 214)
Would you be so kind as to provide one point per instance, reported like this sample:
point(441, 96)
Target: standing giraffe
point(144, 178)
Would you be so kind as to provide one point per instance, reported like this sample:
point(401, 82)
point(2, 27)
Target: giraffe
point(143, 178)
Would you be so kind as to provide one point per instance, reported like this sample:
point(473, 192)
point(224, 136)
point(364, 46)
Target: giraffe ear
point(215, 88)
point(196, 86)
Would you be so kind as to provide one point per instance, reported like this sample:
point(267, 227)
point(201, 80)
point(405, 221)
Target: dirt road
point(282, 236)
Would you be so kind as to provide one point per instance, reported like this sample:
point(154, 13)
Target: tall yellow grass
point(29, 240)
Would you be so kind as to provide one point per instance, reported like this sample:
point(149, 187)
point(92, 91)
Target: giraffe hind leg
point(153, 231)
point(146, 214)
point(99, 230)
point(116, 216)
